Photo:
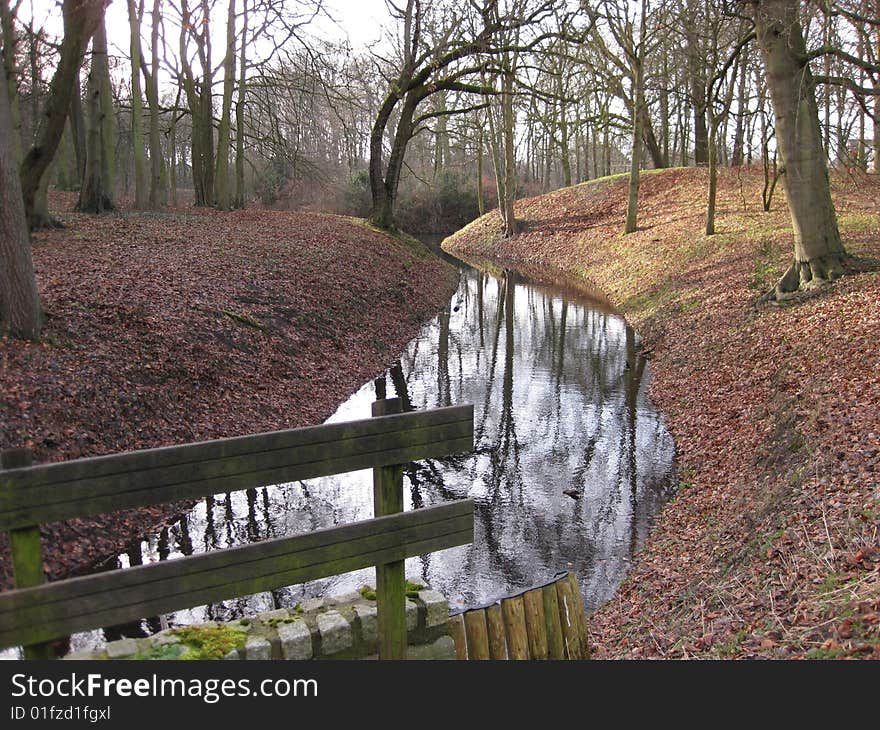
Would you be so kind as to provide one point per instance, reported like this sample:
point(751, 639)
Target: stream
point(571, 460)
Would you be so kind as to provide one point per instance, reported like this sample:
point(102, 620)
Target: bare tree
point(818, 250)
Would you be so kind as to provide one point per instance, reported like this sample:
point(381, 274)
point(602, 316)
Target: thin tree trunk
point(741, 110)
point(638, 97)
point(137, 106)
point(239, 112)
point(221, 178)
point(157, 160)
point(481, 205)
point(713, 172)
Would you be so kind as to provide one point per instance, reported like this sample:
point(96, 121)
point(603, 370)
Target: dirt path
point(770, 547)
point(192, 325)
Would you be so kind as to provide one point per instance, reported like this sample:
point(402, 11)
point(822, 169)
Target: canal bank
point(769, 548)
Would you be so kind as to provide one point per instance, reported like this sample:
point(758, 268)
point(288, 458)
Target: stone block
point(122, 649)
point(368, 620)
point(232, 655)
point(335, 632)
point(296, 640)
point(436, 608)
point(257, 648)
point(412, 615)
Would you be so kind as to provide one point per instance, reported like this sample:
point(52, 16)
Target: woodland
point(237, 176)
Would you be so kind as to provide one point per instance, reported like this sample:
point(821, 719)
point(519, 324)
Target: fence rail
point(34, 612)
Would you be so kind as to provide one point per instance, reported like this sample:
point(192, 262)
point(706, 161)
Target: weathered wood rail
point(545, 622)
point(36, 612)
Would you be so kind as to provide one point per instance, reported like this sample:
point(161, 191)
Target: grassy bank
point(770, 547)
point(187, 325)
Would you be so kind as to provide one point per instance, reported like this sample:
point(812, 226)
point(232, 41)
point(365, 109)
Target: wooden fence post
point(390, 577)
point(26, 550)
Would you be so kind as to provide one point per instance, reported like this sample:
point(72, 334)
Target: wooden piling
point(456, 631)
point(497, 639)
point(555, 639)
point(536, 628)
point(580, 615)
point(515, 624)
point(568, 618)
point(477, 634)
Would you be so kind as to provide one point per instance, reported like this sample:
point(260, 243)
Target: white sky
point(360, 20)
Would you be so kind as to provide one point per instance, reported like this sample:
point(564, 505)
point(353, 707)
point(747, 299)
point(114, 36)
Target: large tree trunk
point(381, 213)
point(96, 194)
point(696, 70)
point(81, 19)
point(199, 101)
point(7, 26)
point(818, 250)
point(19, 302)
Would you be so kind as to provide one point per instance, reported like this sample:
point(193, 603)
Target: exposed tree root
point(807, 276)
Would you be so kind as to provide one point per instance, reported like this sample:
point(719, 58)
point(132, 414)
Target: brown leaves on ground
point(166, 328)
point(770, 548)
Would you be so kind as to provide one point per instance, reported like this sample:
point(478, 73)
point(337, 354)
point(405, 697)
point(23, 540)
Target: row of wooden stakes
point(546, 622)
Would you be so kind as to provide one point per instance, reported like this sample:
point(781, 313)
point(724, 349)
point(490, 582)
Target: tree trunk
point(877, 95)
point(696, 68)
point(157, 161)
point(96, 194)
point(380, 212)
point(239, 112)
point(81, 19)
point(137, 107)
point(713, 173)
point(481, 205)
point(7, 25)
point(19, 301)
point(741, 110)
point(78, 130)
point(818, 251)
point(632, 206)
point(221, 178)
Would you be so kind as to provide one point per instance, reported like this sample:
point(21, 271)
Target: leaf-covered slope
point(177, 327)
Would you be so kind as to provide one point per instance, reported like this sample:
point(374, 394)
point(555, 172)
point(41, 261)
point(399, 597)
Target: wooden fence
point(36, 612)
point(545, 622)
